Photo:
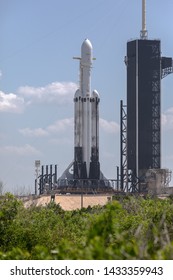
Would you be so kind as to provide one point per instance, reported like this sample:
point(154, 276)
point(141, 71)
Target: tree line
point(126, 228)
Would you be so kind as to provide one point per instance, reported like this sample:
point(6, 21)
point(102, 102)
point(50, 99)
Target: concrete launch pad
point(69, 202)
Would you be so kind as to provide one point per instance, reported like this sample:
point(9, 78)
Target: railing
point(81, 185)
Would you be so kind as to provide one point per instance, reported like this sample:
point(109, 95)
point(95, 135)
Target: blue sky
point(38, 79)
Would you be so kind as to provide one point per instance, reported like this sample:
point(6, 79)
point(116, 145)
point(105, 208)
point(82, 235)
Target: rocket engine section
point(86, 130)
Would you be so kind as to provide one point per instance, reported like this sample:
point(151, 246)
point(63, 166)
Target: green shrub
point(130, 228)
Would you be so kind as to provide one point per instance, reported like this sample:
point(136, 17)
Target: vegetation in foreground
point(126, 228)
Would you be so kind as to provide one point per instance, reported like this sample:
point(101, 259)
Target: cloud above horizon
point(58, 126)
point(66, 125)
point(26, 150)
point(11, 103)
point(167, 119)
point(54, 93)
point(109, 126)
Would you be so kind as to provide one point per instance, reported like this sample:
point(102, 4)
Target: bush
point(130, 228)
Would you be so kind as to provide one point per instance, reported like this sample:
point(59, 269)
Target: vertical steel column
point(50, 178)
point(123, 147)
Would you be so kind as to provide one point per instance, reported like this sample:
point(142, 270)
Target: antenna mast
point(144, 32)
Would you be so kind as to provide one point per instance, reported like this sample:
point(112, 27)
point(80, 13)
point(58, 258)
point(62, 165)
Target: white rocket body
point(86, 136)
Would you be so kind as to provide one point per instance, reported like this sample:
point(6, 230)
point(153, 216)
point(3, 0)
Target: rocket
point(86, 120)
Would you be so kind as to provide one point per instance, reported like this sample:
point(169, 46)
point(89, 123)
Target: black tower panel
point(143, 104)
point(131, 104)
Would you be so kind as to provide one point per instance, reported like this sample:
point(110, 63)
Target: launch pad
point(140, 126)
point(83, 174)
point(47, 182)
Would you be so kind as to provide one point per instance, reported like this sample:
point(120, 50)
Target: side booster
point(86, 121)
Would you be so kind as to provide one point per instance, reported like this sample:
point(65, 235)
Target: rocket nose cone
point(87, 46)
point(86, 51)
point(95, 93)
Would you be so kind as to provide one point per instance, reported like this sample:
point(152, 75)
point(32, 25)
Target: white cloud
point(65, 125)
point(169, 111)
point(61, 125)
point(167, 119)
point(11, 103)
point(37, 132)
point(56, 92)
point(0, 74)
point(109, 126)
point(163, 120)
point(26, 150)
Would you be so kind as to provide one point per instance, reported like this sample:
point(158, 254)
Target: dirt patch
point(70, 202)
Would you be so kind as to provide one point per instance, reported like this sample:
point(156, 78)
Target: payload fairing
point(86, 130)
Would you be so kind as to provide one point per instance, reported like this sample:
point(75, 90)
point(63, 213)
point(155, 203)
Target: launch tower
point(145, 69)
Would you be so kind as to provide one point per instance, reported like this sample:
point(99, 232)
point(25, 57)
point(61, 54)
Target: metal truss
point(155, 122)
point(123, 147)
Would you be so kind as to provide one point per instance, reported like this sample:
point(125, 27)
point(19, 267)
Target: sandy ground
point(70, 202)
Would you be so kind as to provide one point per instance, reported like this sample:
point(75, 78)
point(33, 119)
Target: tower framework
point(145, 69)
